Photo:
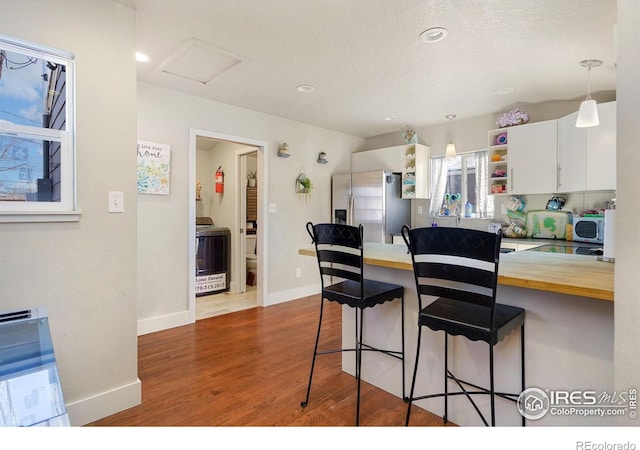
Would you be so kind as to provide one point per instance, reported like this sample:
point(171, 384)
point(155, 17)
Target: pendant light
point(588, 114)
point(451, 148)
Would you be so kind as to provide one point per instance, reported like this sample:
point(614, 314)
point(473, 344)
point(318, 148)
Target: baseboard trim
point(291, 294)
point(159, 323)
point(105, 404)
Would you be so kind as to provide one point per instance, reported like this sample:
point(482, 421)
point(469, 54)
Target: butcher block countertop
point(580, 275)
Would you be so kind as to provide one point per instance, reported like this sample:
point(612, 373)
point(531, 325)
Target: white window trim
point(66, 209)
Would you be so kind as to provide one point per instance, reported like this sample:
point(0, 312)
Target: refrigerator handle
point(350, 210)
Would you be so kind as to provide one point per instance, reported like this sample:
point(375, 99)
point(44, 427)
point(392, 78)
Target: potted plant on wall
point(252, 178)
point(303, 186)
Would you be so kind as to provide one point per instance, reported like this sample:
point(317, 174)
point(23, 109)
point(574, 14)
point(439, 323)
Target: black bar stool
point(339, 250)
point(460, 267)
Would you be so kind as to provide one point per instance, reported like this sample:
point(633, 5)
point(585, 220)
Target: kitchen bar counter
point(568, 338)
point(580, 275)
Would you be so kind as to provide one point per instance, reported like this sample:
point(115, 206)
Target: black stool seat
point(373, 293)
point(471, 321)
point(339, 249)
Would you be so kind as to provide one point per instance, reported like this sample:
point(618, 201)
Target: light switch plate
point(272, 207)
point(116, 202)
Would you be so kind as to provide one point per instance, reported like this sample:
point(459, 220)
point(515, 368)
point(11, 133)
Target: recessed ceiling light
point(502, 91)
point(141, 57)
point(434, 34)
point(305, 88)
point(390, 118)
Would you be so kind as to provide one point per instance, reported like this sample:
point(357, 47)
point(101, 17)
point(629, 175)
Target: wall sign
point(154, 168)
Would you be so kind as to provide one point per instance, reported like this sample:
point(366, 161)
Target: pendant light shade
point(450, 152)
point(588, 113)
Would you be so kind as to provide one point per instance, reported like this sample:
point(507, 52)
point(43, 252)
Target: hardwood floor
point(250, 368)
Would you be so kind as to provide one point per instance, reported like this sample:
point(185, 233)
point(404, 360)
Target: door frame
point(241, 212)
point(262, 147)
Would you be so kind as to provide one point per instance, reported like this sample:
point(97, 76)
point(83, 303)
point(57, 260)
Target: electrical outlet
point(298, 272)
point(419, 209)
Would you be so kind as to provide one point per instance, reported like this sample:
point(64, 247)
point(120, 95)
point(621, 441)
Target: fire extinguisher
point(219, 180)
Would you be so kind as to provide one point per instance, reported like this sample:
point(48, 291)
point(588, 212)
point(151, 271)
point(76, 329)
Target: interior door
point(242, 190)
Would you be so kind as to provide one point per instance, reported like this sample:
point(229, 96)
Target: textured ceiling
point(367, 62)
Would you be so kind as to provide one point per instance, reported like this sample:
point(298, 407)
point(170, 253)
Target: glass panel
point(32, 90)
point(29, 169)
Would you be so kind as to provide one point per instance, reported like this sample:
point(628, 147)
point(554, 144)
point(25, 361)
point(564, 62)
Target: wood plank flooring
point(250, 368)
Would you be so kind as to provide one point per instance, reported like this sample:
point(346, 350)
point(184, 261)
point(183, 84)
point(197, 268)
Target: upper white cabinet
point(587, 156)
point(532, 160)
point(389, 158)
point(572, 155)
point(601, 150)
point(412, 160)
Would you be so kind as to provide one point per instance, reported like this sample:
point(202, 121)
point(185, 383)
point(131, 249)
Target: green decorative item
point(303, 187)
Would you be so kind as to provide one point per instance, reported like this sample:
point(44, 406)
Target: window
point(37, 167)
point(456, 181)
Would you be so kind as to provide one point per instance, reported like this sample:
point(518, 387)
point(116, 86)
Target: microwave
point(588, 229)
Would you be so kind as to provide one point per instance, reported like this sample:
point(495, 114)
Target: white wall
point(167, 116)
point(84, 273)
point(627, 249)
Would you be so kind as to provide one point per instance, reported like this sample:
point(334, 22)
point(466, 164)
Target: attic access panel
point(199, 61)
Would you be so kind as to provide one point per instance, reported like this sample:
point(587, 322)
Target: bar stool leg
point(413, 379)
point(522, 362)
point(404, 394)
point(446, 380)
point(493, 398)
point(315, 353)
point(359, 330)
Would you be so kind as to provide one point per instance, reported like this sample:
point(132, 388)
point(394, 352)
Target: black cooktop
point(574, 249)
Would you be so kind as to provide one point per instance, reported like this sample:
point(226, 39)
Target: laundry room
point(226, 258)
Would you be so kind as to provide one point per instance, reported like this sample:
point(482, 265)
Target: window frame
point(464, 186)
point(64, 210)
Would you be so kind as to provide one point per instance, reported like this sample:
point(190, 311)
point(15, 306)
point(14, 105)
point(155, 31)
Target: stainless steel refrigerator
point(373, 199)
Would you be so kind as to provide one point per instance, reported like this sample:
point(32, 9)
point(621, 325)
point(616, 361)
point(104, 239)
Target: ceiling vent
point(199, 61)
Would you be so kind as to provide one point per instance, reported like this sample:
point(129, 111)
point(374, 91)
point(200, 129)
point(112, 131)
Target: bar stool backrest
point(455, 263)
point(338, 249)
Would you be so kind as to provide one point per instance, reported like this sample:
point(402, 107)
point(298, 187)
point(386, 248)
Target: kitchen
point(555, 276)
point(160, 270)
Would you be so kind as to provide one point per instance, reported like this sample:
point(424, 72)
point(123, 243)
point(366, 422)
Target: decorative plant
point(252, 178)
point(303, 187)
point(513, 117)
point(410, 135)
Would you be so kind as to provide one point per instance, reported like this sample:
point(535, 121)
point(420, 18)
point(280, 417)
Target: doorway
point(228, 208)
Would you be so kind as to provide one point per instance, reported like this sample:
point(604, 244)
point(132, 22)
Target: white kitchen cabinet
point(416, 171)
point(572, 155)
point(587, 156)
point(601, 150)
point(389, 158)
point(532, 162)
